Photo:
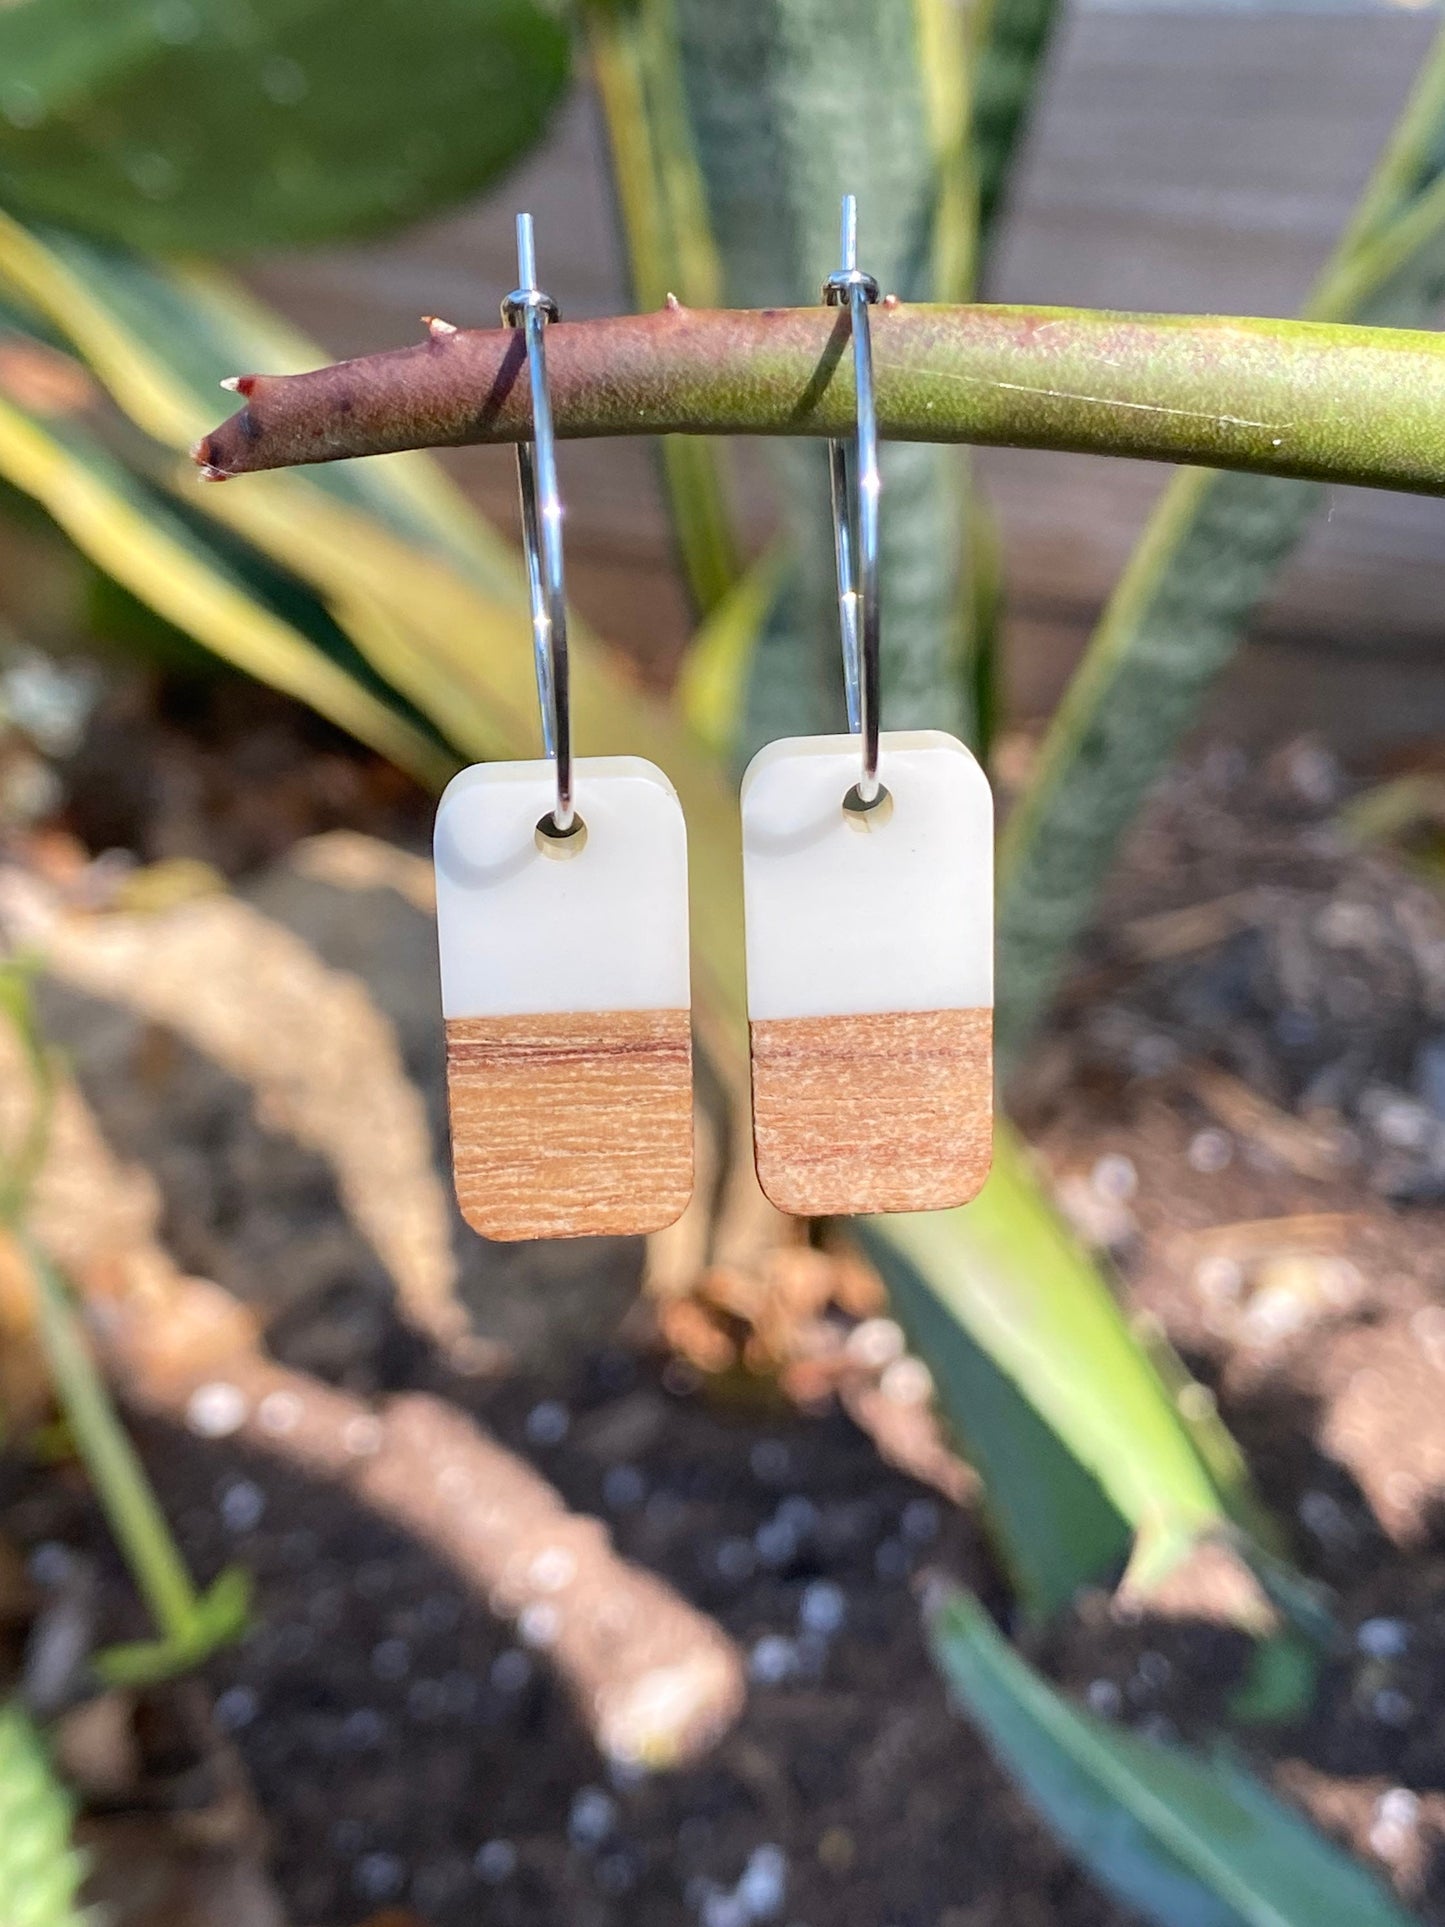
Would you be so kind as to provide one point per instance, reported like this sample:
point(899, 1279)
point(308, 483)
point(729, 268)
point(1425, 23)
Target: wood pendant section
point(892, 1111)
point(571, 1125)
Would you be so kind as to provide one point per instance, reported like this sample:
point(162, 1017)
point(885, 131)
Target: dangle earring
point(563, 934)
point(869, 903)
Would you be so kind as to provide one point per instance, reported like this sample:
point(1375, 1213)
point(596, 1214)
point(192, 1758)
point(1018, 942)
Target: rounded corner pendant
point(870, 974)
point(565, 995)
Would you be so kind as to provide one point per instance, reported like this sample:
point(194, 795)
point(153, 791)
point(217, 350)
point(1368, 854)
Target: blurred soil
point(1242, 1100)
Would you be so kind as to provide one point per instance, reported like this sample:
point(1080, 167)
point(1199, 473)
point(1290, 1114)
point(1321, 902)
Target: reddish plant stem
point(1310, 399)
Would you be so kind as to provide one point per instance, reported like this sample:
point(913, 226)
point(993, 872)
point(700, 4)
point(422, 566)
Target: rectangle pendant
point(870, 974)
point(565, 994)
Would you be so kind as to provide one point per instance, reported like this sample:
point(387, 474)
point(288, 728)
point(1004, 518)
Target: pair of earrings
point(564, 936)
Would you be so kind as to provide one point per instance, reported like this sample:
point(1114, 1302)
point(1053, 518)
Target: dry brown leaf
point(1197, 926)
point(1248, 1239)
point(1309, 1150)
point(910, 1438)
point(1212, 1582)
point(688, 1329)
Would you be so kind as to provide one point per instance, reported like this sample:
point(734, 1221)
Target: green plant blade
point(1280, 1682)
point(129, 533)
point(159, 337)
point(944, 49)
point(194, 124)
point(663, 212)
point(1408, 167)
point(1207, 557)
point(1175, 620)
point(40, 1872)
point(1080, 1447)
point(792, 103)
point(985, 620)
point(1190, 1842)
point(1011, 44)
point(377, 544)
point(712, 687)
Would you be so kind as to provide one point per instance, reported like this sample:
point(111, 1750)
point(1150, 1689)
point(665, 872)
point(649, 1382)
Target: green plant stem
point(125, 1496)
point(1307, 399)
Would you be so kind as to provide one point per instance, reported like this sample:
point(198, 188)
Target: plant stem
point(125, 1496)
point(1316, 400)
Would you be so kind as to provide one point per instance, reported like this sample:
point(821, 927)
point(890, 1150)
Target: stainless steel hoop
point(528, 308)
point(855, 487)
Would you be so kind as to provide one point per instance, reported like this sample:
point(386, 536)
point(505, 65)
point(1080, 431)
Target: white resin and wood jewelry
point(870, 974)
point(564, 972)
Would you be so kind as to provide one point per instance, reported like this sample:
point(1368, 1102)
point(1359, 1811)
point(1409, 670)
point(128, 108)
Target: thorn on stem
point(209, 471)
point(673, 304)
point(437, 327)
point(239, 384)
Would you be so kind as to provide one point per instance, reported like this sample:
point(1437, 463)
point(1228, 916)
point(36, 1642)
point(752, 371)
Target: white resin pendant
point(564, 971)
point(870, 974)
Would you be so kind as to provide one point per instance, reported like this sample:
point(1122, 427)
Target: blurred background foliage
point(223, 126)
point(143, 142)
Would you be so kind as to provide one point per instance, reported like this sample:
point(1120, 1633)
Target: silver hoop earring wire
point(855, 488)
point(529, 309)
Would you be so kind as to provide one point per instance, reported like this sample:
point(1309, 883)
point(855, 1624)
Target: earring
point(563, 936)
point(869, 909)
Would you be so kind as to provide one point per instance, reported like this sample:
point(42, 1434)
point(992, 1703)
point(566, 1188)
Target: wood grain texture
point(571, 1125)
point(888, 1112)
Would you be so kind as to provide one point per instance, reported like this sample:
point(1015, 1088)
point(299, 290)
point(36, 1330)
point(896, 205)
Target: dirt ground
point(1242, 1101)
